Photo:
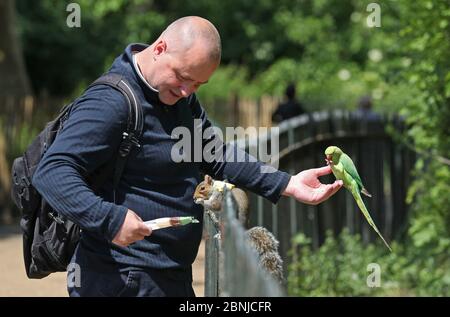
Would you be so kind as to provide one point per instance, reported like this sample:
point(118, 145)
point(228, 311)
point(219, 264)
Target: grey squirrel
point(209, 193)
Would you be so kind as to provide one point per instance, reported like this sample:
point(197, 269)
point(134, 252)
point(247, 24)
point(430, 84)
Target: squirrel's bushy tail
point(266, 245)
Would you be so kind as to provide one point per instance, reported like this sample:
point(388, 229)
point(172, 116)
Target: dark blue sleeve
point(247, 172)
point(90, 137)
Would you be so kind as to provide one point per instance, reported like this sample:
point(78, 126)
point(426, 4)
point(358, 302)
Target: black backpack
point(50, 239)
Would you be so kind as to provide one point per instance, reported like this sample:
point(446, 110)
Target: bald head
point(183, 58)
point(186, 32)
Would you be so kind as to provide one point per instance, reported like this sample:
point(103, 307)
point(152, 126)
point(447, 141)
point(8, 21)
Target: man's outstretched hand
point(306, 187)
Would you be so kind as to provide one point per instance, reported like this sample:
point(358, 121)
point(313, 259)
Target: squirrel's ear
point(208, 179)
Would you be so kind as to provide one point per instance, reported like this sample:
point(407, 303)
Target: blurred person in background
point(290, 108)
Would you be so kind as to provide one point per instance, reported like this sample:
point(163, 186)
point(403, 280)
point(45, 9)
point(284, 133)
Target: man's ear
point(208, 179)
point(160, 48)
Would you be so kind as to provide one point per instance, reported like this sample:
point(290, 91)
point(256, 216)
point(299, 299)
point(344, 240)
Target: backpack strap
point(135, 122)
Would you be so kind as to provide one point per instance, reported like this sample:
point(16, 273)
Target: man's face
point(177, 75)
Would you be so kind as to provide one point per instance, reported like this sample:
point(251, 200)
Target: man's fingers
point(338, 184)
point(144, 230)
point(333, 188)
point(329, 190)
point(321, 171)
point(138, 237)
point(119, 243)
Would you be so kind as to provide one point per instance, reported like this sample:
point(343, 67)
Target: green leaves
point(427, 116)
point(340, 267)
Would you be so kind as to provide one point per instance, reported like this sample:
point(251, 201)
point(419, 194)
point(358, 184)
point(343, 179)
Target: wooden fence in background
point(383, 165)
point(243, 112)
point(256, 113)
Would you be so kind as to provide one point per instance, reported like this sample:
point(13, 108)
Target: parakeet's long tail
point(364, 210)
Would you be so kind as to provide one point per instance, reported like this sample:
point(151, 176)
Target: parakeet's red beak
point(328, 159)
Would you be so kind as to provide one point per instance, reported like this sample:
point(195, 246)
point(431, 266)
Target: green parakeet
point(344, 169)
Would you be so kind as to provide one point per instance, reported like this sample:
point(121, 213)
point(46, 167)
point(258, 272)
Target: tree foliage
point(272, 43)
point(417, 79)
point(426, 37)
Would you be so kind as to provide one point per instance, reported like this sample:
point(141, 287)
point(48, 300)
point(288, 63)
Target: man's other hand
point(133, 229)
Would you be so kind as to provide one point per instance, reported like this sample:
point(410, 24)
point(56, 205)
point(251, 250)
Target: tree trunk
point(13, 77)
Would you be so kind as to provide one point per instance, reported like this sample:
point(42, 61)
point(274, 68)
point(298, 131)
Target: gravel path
point(14, 282)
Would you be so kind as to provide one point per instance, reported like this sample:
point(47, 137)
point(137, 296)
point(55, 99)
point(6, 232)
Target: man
point(289, 109)
point(117, 254)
